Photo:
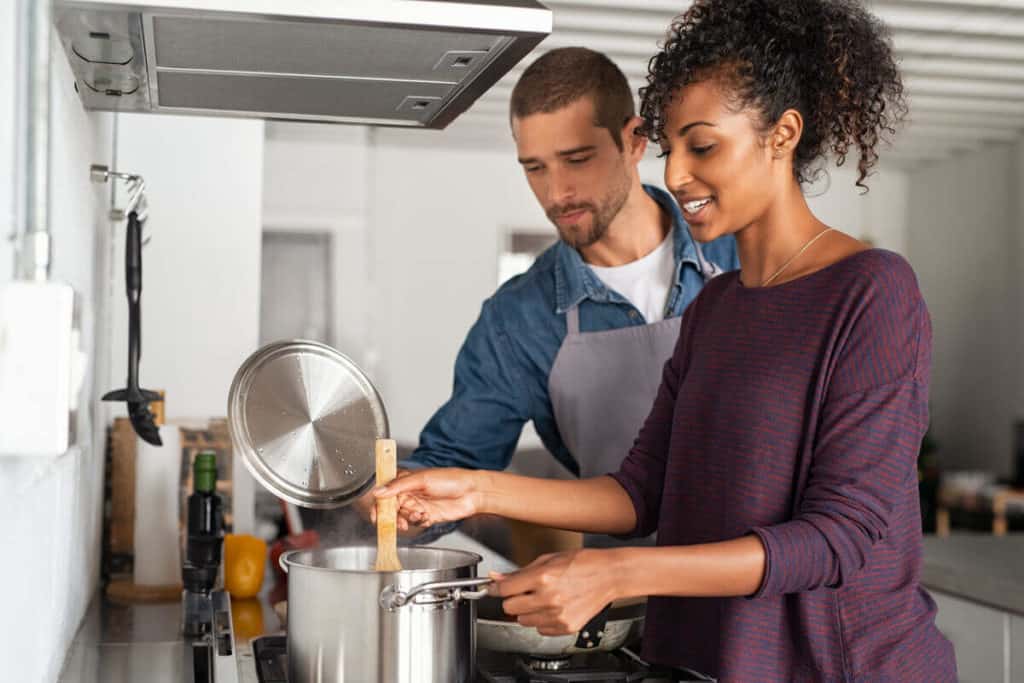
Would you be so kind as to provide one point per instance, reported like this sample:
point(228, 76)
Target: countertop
point(122, 643)
point(978, 567)
point(143, 642)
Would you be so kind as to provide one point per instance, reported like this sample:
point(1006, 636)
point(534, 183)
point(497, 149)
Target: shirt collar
point(575, 281)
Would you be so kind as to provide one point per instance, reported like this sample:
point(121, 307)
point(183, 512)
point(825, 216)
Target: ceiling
point(963, 64)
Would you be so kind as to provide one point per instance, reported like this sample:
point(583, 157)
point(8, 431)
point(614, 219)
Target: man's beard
point(579, 237)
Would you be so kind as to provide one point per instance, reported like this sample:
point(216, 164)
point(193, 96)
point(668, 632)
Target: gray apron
point(602, 386)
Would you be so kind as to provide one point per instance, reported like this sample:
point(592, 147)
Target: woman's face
point(717, 163)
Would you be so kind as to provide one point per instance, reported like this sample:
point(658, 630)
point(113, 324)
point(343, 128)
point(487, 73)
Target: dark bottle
point(205, 536)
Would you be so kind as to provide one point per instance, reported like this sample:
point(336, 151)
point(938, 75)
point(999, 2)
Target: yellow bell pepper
point(247, 618)
point(244, 559)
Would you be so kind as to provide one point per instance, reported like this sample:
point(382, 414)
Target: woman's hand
point(559, 593)
point(430, 497)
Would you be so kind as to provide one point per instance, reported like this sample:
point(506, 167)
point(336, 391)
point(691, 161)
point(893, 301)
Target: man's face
point(577, 172)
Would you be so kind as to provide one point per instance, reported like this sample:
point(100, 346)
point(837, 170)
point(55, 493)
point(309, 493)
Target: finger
point(516, 583)
point(411, 507)
point(541, 559)
point(495, 577)
point(413, 481)
point(526, 603)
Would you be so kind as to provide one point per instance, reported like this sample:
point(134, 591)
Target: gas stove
point(621, 666)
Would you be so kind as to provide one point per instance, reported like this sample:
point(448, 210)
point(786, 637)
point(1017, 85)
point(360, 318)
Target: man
point(577, 343)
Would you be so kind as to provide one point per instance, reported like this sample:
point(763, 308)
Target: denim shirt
point(501, 372)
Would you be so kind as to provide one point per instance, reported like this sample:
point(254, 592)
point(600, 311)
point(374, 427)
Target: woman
point(777, 464)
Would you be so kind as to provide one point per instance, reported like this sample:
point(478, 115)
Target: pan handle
point(441, 592)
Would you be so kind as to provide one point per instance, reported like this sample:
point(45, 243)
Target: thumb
point(411, 481)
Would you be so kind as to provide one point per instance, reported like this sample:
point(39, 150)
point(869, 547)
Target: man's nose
point(561, 189)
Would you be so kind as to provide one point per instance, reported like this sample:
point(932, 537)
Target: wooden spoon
point(387, 509)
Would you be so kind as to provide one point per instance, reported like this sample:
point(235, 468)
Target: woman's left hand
point(559, 593)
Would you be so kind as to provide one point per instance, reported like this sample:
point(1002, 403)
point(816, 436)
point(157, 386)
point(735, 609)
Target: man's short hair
point(563, 76)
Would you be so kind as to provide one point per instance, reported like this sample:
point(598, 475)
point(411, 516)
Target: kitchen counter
point(119, 643)
point(981, 568)
point(143, 642)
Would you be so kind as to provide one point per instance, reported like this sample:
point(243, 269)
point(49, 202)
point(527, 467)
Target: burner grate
point(271, 658)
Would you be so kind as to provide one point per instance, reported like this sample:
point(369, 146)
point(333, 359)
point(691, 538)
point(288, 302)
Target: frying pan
point(617, 625)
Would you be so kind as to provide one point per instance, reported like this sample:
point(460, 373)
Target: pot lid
point(305, 418)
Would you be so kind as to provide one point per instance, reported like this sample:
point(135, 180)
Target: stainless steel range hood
point(416, 63)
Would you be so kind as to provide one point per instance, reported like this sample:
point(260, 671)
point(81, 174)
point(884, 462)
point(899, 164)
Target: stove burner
point(549, 663)
point(621, 666)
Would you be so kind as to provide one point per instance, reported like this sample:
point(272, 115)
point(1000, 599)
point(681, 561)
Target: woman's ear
point(785, 136)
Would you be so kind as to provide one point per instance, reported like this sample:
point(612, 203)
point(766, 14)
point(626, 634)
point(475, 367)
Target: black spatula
point(138, 399)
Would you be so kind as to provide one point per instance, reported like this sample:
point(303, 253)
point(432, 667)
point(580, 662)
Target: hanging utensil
point(136, 398)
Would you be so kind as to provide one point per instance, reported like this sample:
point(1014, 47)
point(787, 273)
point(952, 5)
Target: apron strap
point(572, 321)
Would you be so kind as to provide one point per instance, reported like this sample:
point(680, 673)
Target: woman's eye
point(701, 151)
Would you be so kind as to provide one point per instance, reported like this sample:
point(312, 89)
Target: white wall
point(317, 180)
point(200, 292)
point(440, 213)
point(7, 123)
point(51, 508)
point(964, 243)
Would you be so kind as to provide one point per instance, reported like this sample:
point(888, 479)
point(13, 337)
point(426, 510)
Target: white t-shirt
point(645, 282)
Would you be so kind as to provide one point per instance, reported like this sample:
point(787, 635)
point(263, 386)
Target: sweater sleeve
point(865, 449)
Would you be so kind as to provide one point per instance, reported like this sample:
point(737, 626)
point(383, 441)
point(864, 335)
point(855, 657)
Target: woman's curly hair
point(831, 60)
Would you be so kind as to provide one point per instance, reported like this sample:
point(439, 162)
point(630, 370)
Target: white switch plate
point(37, 364)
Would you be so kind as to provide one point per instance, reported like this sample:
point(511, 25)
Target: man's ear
point(634, 144)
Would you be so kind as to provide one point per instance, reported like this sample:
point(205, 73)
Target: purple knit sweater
point(795, 413)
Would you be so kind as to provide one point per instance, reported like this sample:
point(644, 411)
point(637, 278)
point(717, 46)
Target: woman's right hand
point(430, 497)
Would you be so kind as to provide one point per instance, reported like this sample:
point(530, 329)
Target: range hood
point(417, 63)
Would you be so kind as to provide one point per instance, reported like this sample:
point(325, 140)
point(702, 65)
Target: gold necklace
point(794, 257)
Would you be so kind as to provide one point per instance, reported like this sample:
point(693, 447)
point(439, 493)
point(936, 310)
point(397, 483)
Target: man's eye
point(532, 169)
point(579, 160)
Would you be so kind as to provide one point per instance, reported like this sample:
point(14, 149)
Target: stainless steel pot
point(350, 624)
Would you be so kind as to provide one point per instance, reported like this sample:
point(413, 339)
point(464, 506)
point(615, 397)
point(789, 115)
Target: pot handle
point(450, 591)
point(281, 563)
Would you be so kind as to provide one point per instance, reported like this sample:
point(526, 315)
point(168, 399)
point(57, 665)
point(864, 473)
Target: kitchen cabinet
point(1017, 648)
point(978, 585)
point(980, 637)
